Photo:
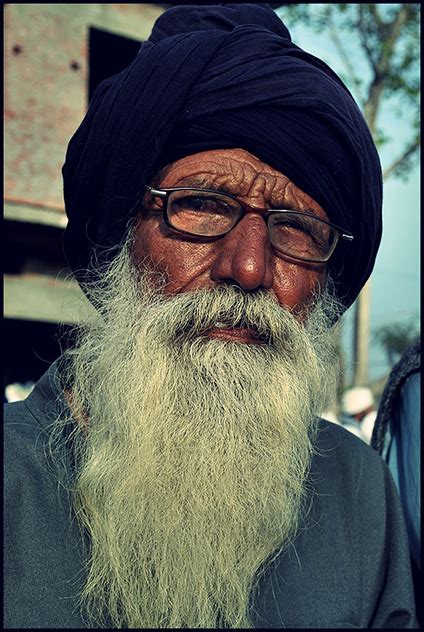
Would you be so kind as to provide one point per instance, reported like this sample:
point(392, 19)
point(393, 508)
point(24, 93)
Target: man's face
point(245, 256)
point(196, 450)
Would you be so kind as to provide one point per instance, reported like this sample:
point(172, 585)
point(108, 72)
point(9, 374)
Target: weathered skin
point(244, 256)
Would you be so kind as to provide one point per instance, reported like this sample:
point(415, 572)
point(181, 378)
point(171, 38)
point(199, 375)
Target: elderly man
point(171, 469)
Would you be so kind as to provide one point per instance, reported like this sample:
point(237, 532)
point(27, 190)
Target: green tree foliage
point(387, 37)
point(394, 338)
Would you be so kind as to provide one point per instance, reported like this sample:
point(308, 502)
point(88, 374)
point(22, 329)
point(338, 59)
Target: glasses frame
point(245, 208)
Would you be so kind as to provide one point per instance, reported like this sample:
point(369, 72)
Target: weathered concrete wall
point(46, 96)
point(46, 84)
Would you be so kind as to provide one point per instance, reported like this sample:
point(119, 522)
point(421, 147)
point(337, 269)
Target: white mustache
point(196, 313)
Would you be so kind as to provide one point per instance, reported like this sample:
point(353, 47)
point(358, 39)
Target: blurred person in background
point(397, 438)
point(17, 391)
point(358, 412)
point(330, 415)
point(171, 469)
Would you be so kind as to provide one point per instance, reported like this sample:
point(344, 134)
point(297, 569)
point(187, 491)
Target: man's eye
point(302, 233)
point(201, 204)
point(291, 225)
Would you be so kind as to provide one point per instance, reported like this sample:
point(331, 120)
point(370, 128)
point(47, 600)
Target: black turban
point(222, 76)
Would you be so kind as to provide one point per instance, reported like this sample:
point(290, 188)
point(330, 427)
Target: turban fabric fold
point(222, 76)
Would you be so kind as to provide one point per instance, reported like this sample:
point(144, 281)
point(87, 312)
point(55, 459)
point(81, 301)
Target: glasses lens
point(302, 236)
point(202, 213)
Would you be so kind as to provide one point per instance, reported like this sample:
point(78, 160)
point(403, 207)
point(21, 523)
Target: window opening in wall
point(109, 53)
point(31, 347)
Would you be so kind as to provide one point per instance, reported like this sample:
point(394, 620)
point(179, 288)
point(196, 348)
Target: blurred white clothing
point(330, 415)
point(367, 425)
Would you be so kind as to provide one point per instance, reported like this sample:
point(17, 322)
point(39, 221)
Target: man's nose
point(245, 256)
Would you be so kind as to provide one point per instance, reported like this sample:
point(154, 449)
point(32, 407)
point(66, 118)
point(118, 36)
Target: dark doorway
point(31, 346)
point(108, 55)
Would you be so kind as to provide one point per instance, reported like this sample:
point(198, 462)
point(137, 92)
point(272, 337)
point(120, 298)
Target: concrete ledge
point(44, 298)
point(34, 215)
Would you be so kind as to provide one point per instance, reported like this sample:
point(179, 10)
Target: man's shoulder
point(43, 552)
point(344, 457)
point(18, 417)
point(24, 439)
point(21, 429)
point(333, 436)
point(353, 490)
point(26, 429)
point(27, 417)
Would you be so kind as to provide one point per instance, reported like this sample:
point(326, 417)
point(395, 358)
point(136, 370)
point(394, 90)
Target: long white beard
point(193, 460)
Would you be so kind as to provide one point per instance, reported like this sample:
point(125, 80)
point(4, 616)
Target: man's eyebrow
point(197, 181)
point(205, 182)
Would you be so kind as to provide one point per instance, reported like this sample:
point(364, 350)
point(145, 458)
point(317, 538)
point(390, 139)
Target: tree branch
point(375, 14)
point(345, 57)
point(364, 38)
point(389, 33)
point(406, 154)
point(394, 30)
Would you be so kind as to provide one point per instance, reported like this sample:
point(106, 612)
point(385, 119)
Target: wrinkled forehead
point(236, 164)
point(239, 173)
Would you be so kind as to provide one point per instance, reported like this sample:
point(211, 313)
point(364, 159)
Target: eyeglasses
point(209, 214)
